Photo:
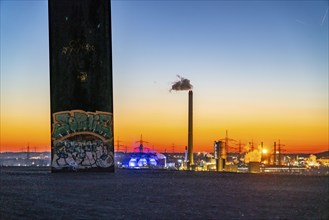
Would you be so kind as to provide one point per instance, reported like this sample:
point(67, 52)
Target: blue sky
point(248, 55)
point(257, 42)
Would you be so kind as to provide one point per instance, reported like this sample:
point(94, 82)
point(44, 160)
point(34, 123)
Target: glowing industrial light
point(264, 151)
point(142, 162)
point(153, 162)
point(132, 162)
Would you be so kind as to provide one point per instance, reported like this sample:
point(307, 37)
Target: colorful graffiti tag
point(82, 140)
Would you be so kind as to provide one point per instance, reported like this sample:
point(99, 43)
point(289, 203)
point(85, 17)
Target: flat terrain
point(35, 193)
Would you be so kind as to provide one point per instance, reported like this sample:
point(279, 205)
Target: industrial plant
point(143, 157)
point(225, 157)
point(260, 160)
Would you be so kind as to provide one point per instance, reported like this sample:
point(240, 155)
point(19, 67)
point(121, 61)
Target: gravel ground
point(35, 193)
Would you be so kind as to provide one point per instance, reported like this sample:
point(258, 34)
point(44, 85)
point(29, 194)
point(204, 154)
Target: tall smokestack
point(185, 155)
point(274, 154)
point(279, 156)
point(184, 84)
point(190, 128)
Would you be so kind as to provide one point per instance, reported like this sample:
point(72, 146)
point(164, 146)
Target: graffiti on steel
point(82, 140)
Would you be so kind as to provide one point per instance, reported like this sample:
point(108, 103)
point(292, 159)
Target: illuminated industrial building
point(144, 158)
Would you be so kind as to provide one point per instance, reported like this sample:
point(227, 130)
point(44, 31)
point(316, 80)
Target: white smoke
point(253, 156)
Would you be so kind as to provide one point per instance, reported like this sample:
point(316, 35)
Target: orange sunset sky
point(259, 70)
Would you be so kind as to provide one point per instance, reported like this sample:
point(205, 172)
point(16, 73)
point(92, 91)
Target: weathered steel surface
point(81, 84)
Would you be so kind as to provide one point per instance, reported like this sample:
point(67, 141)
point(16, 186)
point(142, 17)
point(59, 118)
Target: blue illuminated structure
point(144, 158)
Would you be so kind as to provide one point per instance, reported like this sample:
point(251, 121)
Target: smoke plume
point(253, 156)
point(181, 84)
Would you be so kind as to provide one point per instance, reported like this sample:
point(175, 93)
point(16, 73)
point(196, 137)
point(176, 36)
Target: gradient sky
point(259, 69)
